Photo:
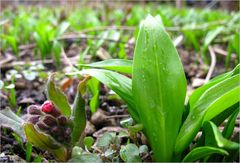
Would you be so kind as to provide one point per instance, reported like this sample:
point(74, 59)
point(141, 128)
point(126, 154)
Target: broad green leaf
point(58, 98)
point(213, 101)
point(199, 92)
point(93, 85)
point(201, 152)
point(45, 142)
point(120, 84)
point(159, 87)
point(78, 115)
point(130, 153)
point(10, 120)
point(213, 137)
point(86, 158)
point(120, 65)
point(229, 127)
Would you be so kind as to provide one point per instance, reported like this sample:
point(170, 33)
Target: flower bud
point(62, 120)
point(34, 109)
point(47, 107)
point(56, 131)
point(55, 112)
point(42, 126)
point(34, 119)
point(67, 132)
point(49, 120)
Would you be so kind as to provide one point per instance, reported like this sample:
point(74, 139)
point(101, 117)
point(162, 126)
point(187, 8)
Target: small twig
point(66, 58)
point(103, 28)
point(224, 53)
point(4, 22)
point(213, 64)
point(83, 36)
point(21, 63)
point(178, 40)
point(7, 59)
point(118, 116)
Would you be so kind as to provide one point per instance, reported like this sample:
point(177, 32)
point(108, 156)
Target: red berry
point(47, 107)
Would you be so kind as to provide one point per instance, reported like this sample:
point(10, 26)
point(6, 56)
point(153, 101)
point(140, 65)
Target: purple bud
point(34, 119)
point(42, 126)
point(56, 130)
point(62, 120)
point(49, 120)
point(55, 112)
point(67, 132)
point(34, 109)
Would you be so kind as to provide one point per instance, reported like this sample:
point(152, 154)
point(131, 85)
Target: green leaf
point(11, 40)
point(130, 153)
point(229, 127)
point(159, 87)
point(143, 149)
point(199, 92)
point(57, 51)
point(45, 142)
point(212, 102)
point(62, 28)
point(120, 84)
point(220, 118)
point(88, 142)
point(28, 152)
point(57, 97)
point(213, 137)
point(93, 85)
point(78, 112)
point(120, 65)
point(211, 35)
point(104, 141)
point(86, 158)
point(201, 152)
point(10, 120)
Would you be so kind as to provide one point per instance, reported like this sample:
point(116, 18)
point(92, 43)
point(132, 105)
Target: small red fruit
point(47, 107)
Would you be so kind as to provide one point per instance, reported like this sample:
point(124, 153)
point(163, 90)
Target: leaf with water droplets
point(159, 87)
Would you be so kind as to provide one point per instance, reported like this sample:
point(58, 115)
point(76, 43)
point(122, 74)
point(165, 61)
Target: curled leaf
point(46, 142)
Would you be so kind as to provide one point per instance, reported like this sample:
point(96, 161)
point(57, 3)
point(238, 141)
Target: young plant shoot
point(156, 96)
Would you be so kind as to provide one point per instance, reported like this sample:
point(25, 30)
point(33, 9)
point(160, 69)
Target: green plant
point(156, 98)
point(54, 126)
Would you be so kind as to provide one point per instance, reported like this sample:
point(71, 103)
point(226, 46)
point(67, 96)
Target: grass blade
point(120, 65)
